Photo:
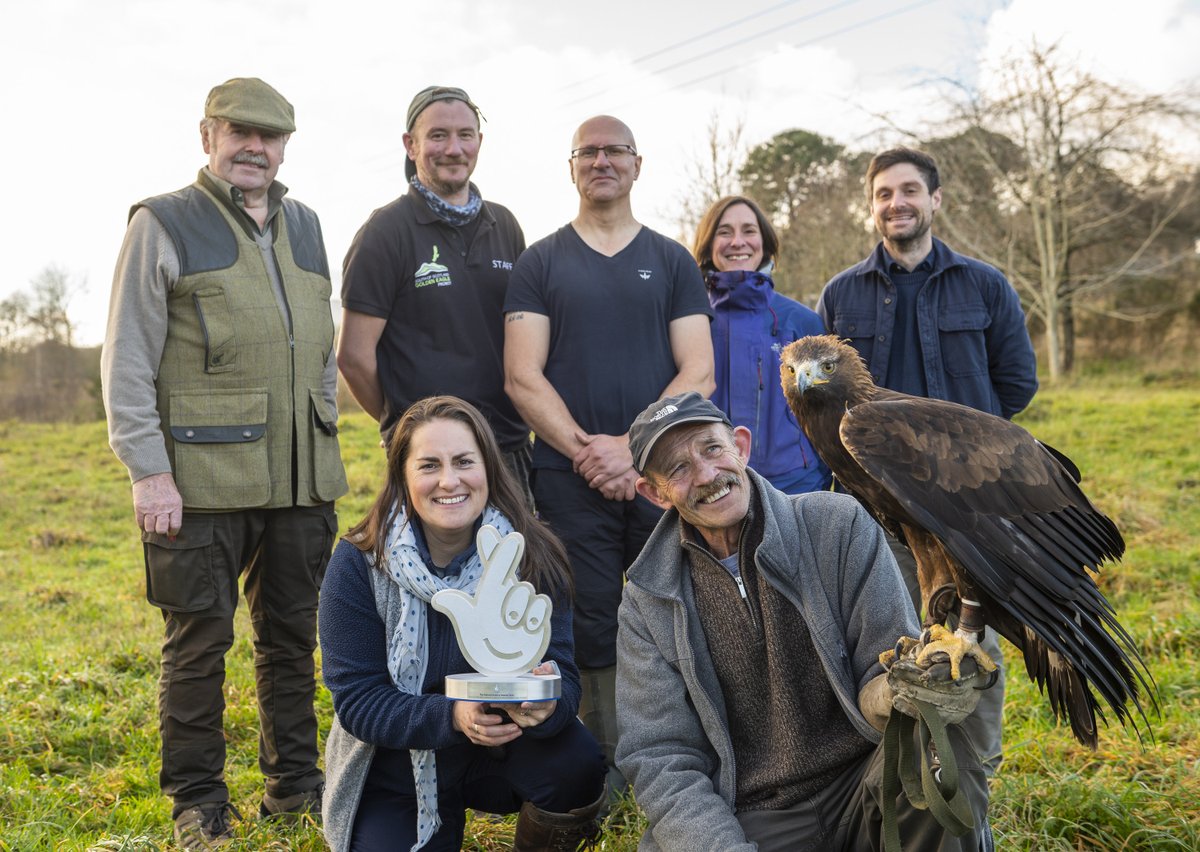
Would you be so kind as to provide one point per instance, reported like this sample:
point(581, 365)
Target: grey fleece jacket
point(826, 555)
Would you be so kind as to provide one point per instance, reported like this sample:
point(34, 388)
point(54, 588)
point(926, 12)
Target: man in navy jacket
point(931, 322)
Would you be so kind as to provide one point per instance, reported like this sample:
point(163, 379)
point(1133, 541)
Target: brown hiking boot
point(293, 807)
point(542, 831)
point(205, 826)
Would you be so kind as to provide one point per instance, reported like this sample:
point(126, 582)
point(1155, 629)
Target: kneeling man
point(750, 695)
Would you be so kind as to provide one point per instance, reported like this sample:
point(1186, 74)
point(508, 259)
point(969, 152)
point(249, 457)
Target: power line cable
point(690, 40)
point(833, 7)
point(842, 31)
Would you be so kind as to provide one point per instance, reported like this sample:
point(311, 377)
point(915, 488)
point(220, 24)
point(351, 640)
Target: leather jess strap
point(926, 789)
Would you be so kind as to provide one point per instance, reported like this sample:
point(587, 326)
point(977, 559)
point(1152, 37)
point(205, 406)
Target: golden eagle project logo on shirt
point(432, 272)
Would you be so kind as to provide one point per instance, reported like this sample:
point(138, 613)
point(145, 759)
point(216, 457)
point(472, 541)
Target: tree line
point(44, 377)
point(1072, 186)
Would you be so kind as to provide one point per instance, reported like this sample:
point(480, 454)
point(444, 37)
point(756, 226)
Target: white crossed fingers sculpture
point(504, 628)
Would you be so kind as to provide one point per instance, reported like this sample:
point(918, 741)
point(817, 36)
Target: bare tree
point(1083, 184)
point(43, 376)
point(14, 313)
point(48, 309)
point(711, 173)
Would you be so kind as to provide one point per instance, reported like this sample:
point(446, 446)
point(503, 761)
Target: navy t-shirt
point(610, 349)
point(906, 366)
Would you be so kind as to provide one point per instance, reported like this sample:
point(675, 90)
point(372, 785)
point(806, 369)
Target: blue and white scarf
point(449, 213)
point(408, 649)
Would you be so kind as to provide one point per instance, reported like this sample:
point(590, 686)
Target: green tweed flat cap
point(250, 101)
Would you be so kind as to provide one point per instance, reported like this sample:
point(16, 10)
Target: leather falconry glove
point(954, 700)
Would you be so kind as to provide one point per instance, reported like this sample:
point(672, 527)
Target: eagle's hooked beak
point(808, 375)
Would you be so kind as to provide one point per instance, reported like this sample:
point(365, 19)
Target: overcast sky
point(103, 98)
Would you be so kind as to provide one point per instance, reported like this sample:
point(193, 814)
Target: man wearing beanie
point(219, 383)
point(750, 693)
point(424, 281)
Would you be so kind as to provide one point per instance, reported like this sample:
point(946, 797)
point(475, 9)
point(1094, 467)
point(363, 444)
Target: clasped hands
point(605, 463)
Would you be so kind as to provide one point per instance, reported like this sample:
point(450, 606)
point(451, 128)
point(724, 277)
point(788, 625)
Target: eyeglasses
point(612, 152)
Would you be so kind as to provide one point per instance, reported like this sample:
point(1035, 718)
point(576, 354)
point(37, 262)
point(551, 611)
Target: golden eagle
point(990, 514)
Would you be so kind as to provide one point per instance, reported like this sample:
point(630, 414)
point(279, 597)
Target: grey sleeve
point(871, 584)
point(147, 270)
point(662, 747)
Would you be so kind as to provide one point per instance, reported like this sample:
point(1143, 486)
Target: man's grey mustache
point(259, 160)
point(728, 480)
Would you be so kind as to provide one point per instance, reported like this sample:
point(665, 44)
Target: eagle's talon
point(942, 601)
point(956, 648)
point(906, 647)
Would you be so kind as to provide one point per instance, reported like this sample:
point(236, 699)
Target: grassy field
point(78, 753)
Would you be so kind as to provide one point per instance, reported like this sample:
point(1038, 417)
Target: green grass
point(79, 739)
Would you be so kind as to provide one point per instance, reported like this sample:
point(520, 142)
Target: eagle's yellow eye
point(791, 369)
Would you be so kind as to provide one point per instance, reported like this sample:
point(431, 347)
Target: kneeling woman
point(403, 761)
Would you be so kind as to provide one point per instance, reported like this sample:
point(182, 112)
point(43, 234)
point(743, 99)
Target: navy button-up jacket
point(973, 339)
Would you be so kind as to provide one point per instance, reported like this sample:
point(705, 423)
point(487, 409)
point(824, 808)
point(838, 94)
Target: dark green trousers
point(280, 555)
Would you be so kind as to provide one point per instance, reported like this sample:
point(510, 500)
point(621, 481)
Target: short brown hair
point(706, 232)
point(894, 156)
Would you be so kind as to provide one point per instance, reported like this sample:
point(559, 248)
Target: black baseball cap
point(665, 414)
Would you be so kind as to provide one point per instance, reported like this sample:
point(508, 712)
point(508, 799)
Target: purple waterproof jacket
point(751, 325)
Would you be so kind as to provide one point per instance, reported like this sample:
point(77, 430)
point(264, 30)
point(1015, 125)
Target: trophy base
point(501, 689)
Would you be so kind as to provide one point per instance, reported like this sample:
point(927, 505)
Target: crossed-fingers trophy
point(503, 629)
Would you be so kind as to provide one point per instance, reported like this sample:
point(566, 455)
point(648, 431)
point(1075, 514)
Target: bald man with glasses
point(602, 317)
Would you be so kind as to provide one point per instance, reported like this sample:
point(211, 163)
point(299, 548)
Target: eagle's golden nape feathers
point(980, 497)
point(824, 360)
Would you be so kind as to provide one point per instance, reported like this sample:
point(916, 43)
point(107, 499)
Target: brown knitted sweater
point(790, 735)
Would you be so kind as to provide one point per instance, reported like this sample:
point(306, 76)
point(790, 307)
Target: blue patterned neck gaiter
point(450, 213)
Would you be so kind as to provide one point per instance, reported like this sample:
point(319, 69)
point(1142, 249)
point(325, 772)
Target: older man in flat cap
point(219, 382)
point(425, 278)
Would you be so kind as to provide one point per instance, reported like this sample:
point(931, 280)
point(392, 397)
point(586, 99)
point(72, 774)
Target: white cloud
point(1151, 44)
point(103, 97)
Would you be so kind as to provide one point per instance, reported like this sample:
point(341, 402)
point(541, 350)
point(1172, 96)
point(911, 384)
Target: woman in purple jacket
point(736, 247)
